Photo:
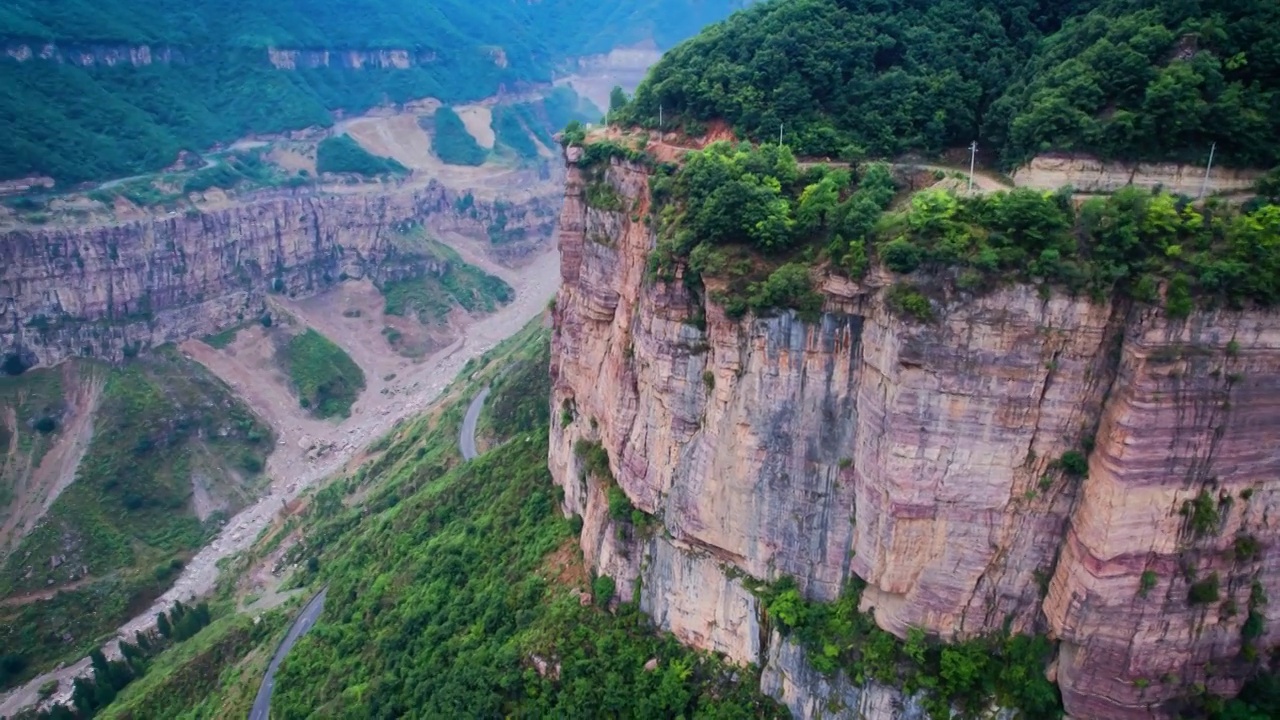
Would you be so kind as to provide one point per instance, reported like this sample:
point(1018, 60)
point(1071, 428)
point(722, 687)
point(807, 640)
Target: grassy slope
point(431, 297)
point(451, 141)
point(180, 681)
point(128, 516)
point(31, 397)
point(342, 154)
point(325, 378)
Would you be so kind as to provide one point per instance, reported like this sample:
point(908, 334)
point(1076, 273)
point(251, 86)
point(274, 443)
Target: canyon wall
point(111, 55)
point(112, 289)
point(1090, 175)
point(922, 458)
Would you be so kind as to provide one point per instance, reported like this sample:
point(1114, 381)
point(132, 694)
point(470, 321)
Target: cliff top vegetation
point(753, 220)
point(1127, 79)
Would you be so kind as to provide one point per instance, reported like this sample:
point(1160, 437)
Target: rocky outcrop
point(923, 458)
point(808, 693)
point(89, 55)
point(108, 290)
point(111, 55)
point(350, 59)
point(1090, 175)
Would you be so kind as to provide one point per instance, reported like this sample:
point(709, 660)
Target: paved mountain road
point(467, 438)
point(310, 613)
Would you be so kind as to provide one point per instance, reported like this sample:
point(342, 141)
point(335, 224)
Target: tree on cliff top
point(1138, 79)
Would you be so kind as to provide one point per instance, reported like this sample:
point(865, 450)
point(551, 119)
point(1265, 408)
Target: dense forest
point(215, 84)
point(1134, 79)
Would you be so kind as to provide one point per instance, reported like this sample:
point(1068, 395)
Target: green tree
point(617, 99)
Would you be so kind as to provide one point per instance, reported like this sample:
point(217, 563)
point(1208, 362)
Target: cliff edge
point(1089, 469)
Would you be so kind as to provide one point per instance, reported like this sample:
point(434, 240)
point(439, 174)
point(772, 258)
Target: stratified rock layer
point(923, 459)
point(106, 290)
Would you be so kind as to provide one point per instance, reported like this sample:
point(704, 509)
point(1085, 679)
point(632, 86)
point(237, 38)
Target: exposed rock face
point(1090, 175)
point(351, 59)
point(94, 54)
point(922, 458)
point(111, 55)
point(810, 694)
point(106, 290)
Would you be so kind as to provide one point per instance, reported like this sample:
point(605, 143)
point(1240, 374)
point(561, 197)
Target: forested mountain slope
point(1130, 79)
point(93, 90)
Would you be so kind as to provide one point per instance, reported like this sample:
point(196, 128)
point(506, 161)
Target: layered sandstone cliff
point(1090, 175)
point(111, 55)
point(109, 289)
point(921, 458)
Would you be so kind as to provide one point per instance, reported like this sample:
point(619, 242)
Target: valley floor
point(397, 388)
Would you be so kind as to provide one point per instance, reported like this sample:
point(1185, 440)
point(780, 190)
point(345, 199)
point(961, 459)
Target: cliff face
point(921, 458)
point(88, 55)
point(106, 290)
point(111, 55)
point(1089, 175)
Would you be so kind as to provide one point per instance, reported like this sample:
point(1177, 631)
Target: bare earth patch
point(293, 160)
point(479, 122)
point(353, 316)
point(35, 489)
point(399, 137)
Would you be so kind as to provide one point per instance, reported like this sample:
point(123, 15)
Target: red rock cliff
point(921, 458)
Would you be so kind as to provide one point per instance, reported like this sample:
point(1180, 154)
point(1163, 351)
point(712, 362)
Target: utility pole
point(973, 156)
point(779, 134)
point(1204, 187)
point(659, 116)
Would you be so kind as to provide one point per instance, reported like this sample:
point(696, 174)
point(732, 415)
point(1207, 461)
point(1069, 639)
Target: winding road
point(467, 438)
point(310, 613)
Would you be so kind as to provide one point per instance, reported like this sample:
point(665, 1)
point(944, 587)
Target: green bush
point(342, 154)
point(1147, 582)
point(1202, 514)
point(788, 287)
point(603, 589)
point(1204, 591)
point(325, 378)
point(451, 141)
point(1074, 463)
point(909, 302)
point(600, 195)
point(1246, 548)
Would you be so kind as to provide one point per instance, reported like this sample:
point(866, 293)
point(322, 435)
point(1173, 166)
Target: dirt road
point(534, 284)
